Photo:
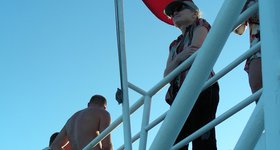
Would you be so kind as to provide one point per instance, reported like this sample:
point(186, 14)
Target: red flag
point(157, 7)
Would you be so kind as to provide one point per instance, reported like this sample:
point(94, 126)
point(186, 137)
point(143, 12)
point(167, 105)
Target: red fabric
point(157, 7)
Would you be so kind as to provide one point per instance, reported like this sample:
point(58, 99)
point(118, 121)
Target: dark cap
point(169, 9)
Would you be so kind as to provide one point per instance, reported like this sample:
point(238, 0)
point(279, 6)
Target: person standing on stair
point(253, 63)
point(185, 16)
point(85, 125)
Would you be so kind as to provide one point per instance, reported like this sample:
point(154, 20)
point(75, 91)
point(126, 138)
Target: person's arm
point(170, 65)
point(60, 140)
point(199, 36)
point(105, 121)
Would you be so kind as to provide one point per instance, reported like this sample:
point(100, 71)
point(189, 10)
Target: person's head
point(182, 12)
point(52, 138)
point(98, 100)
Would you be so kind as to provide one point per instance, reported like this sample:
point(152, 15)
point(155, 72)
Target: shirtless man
point(85, 125)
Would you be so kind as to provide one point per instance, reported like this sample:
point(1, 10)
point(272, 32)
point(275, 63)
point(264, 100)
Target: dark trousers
point(203, 112)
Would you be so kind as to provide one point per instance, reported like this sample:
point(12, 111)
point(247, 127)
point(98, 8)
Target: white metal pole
point(198, 74)
point(123, 73)
point(270, 36)
point(253, 129)
point(145, 122)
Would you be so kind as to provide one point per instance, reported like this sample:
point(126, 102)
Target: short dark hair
point(52, 138)
point(98, 99)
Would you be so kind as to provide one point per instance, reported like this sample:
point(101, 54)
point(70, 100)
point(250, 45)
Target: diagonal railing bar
point(219, 119)
point(137, 89)
point(253, 129)
point(134, 138)
point(232, 65)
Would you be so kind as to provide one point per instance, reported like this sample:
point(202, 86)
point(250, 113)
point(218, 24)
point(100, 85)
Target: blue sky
point(54, 55)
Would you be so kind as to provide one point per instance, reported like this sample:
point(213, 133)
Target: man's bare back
point(84, 126)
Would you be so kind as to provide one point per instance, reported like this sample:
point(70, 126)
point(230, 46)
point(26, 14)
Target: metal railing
point(212, 80)
point(230, 9)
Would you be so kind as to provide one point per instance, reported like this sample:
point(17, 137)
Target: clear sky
point(56, 54)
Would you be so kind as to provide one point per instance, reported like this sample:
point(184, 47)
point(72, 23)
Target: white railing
point(265, 113)
point(123, 73)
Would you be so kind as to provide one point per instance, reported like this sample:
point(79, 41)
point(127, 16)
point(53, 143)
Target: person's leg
point(203, 112)
point(206, 111)
point(186, 130)
point(192, 122)
point(255, 75)
point(182, 135)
